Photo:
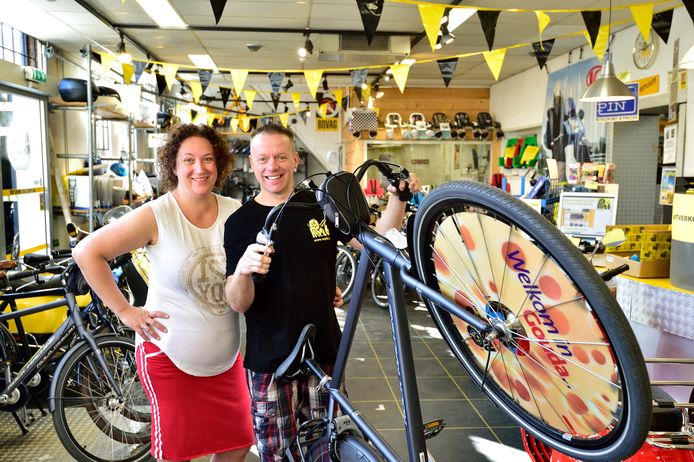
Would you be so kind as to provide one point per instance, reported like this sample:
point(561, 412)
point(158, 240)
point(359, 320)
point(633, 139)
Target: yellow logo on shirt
point(319, 230)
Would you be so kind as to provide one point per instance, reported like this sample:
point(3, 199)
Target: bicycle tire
point(348, 448)
point(379, 291)
point(346, 271)
point(90, 422)
point(589, 404)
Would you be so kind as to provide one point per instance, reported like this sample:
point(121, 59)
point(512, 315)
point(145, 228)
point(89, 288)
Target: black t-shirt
point(298, 289)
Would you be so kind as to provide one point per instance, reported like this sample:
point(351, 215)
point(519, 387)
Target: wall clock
point(645, 51)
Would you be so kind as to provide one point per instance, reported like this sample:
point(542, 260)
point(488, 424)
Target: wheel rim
point(494, 269)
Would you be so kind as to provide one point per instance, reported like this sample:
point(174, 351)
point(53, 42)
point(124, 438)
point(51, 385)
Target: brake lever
point(262, 239)
point(394, 179)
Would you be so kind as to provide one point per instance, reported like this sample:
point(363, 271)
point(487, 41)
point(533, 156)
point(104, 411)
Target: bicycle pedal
point(433, 428)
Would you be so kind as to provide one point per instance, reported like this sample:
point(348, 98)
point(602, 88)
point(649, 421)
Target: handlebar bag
point(343, 202)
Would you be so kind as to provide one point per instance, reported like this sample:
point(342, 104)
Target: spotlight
point(307, 49)
point(286, 108)
point(289, 84)
point(123, 56)
point(325, 83)
point(308, 111)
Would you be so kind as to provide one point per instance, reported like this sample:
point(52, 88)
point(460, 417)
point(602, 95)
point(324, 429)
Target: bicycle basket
point(343, 202)
point(75, 280)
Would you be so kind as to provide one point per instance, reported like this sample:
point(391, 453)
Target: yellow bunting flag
point(400, 72)
point(239, 78)
point(431, 20)
point(128, 73)
point(338, 98)
point(244, 123)
point(250, 96)
point(600, 41)
point(542, 23)
point(643, 15)
point(210, 118)
point(366, 92)
point(296, 97)
point(195, 89)
point(234, 124)
point(170, 74)
point(107, 61)
point(495, 59)
point(284, 118)
point(313, 77)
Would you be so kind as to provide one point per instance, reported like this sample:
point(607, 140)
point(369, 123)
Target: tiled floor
point(476, 430)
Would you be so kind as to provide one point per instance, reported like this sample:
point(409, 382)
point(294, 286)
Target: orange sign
point(649, 85)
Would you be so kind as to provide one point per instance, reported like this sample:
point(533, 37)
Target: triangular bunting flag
point(107, 61)
point(689, 5)
point(447, 68)
point(296, 98)
point(400, 72)
point(139, 68)
point(495, 59)
point(250, 96)
point(643, 15)
point(239, 78)
point(358, 76)
point(313, 80)
point(304, 115)
point(275, 99)
point(195, 89)
point(128, 72)
point(592, 22)
point(218, 9)
point(210, 118)
point(661, 24)
point(284, 118)
point(337, 94)
point(541, 50)
point(193, 115)
point(170, 74)
point(357, 91)
point(344, 102)
point(253, 123)
point(234, 124)
point(542, 23)
point(225, 92)
point(161, 82)
point(488, 21)
point(205, 75)
point(244, 123)
point(275, 81)
point(431, 20)
point(600, 41)
point(370, 12)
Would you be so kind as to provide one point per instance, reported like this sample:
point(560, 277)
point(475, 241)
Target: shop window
point(103, 138)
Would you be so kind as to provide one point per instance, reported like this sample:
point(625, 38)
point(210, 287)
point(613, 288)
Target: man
point(298, 289)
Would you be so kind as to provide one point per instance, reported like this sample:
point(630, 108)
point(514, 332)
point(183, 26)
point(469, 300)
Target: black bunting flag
point(541, 50)
point(226, 93)
point(488, 20)
point(661, 24)
point(447, 68)
point(161, 82)
point(275, 99)
point(592, 22)
point(689, 5)
point(370, 11)
point(218, 9)
point(205, 75)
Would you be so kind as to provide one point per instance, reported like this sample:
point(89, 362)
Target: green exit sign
point(34, 75)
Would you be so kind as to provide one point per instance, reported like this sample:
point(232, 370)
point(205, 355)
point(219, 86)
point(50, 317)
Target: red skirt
point(194, 416)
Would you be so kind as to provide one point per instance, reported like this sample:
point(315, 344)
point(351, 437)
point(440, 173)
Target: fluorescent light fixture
point(687, 61)
point(203, 62)
point(457, 16)
point(408, 61)
point(162, 13)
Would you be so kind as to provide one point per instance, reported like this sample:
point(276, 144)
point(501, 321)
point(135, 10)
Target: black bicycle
point(100, 410)
point(524, 312)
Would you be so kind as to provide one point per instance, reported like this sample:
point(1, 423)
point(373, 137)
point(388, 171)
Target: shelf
point(106, 110)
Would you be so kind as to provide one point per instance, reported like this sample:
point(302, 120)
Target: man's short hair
point(273, 129)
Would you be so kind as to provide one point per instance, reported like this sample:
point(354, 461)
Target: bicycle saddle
point(393, 120)
point(462, 120)
point(290, 368)
point(416, 117)
point(438, 118)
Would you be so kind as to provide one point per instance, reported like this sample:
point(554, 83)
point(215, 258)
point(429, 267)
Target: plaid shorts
point(279, 409)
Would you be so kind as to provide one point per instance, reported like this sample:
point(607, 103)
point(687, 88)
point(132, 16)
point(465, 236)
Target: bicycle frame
point(397, 272)
point(74, 322)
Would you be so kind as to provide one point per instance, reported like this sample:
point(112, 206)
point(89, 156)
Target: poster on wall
point(667, 185)
point(570, 132)
point(670, 144)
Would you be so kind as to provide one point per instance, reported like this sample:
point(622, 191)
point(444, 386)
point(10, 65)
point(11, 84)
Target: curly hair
point(176, 135)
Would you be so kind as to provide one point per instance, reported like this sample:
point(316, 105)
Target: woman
point(187, 336)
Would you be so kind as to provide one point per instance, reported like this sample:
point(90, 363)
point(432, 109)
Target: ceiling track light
point(307, 49)
point(123, 55)
point(289, 84)
point(607, 87)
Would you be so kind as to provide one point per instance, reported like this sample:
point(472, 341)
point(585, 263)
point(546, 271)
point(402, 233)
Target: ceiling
point(278, 26)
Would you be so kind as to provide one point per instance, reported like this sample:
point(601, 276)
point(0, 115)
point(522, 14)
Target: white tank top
point(186, 281)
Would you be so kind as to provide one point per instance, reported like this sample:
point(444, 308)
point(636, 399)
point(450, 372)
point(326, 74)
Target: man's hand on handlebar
point(412, 184)
point(256, 259)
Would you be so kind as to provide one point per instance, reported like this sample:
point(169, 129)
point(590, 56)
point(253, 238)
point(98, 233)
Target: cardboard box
point(639, 269)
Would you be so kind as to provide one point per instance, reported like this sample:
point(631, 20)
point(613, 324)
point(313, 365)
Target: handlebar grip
point(609, 274)
point(22, 274)
point(61, 253)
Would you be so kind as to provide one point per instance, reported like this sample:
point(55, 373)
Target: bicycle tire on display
point(90, 422)
point(566, 365)
point(346, 271)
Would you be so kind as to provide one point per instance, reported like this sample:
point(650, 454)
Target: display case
point(436, 161)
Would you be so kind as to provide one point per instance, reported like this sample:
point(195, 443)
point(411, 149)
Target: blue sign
point(619, 111)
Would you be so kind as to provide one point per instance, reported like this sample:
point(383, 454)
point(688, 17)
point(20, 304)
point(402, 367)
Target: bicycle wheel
point(348, 448)
point(379, 291)
point(345, 267)
point(91, 422)
point(565, 365)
